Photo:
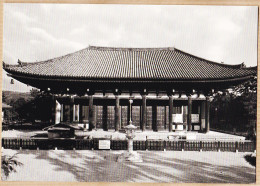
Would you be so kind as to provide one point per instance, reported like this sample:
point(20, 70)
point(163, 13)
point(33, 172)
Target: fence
point(159, 145)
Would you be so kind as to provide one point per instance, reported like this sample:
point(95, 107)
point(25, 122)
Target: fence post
point(200, 146)
point(21, 143)
point(182, 146)
point(112, 144)
point(146, 144)
point(92, 144)
point(236, 146)
point(3, 143)
point(164, 145)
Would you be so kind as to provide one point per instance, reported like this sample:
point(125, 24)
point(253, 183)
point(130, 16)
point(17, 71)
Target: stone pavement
point(157, 166)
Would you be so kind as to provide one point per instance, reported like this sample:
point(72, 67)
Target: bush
point(8, 165)
point(251, 159)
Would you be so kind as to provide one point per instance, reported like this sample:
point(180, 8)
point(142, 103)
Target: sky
point(37, 32)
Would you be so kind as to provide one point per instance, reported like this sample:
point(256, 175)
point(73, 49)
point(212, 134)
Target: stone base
point(130, 157)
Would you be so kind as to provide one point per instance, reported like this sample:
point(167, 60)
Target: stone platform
point(150, 135)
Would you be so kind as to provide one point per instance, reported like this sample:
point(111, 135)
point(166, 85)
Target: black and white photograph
point(129, 93)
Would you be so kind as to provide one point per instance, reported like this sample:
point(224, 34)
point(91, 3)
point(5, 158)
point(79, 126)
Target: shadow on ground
point(101, 166)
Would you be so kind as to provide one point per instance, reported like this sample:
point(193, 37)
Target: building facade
point(159, 89)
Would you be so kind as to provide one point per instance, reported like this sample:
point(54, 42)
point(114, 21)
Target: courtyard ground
point(157, 166)
point(164, 135)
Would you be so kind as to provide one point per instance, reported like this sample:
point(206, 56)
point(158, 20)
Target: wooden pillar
point(71, 109)
point(80, 113)
point(189, 113)
point(76, 113)
point(61, 112)
point(207, 113)
point(53, 112)
point(105, 118)
point(170, 112)
point(64, 113)
point(144, 114)
point(202, 116)
point(154, 121)
point(128, 114)
point(91, 113)
point(117, 113)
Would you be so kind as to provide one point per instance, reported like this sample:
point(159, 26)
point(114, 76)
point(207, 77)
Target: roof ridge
point(129, 48)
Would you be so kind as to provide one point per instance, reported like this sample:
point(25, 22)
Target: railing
point(158, 145)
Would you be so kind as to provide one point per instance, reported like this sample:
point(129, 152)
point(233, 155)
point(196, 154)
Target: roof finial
point(19, 62)
point(243, 65)
point(4, 64)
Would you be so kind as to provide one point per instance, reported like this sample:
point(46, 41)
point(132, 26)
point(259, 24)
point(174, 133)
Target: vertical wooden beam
point(71, 109)
point(144, 114)
point(189, 113)
point(117, 113)
point(65, 115)
point(61, 112)
point(74, 112)
point(202, 115)
point(91, 113)
point(78, 110)
point(128, 114)
point(207, 113)
point(53, 109)
point(154, 121)
point(80, 113)
point(170, 112)
point(165, 118)
point(105, 118)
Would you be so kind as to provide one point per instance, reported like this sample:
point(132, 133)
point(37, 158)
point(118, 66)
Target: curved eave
point(124, 80)
point(236, 66)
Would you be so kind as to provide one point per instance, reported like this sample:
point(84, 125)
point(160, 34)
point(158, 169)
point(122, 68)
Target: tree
point(35, 92)
point(28, 106)
point(235, 109)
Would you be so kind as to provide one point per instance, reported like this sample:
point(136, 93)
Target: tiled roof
point(131, 63)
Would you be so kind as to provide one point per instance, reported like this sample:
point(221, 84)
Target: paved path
point(170, 166)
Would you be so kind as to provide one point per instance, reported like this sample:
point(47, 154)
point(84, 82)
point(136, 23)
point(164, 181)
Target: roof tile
point(132, 63)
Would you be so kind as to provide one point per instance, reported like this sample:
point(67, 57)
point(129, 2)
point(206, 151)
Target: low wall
point(158, 145)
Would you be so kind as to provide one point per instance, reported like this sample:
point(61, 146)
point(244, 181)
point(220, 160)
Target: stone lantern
point(130, 155)
point(130, 134)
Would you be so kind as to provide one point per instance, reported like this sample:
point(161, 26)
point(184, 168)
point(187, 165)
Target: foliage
point(246, 87)
point(251, 159)
point(235, 109)
point(16, 100)
point(8, 165)
point(35, 93)
point(27, 106)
